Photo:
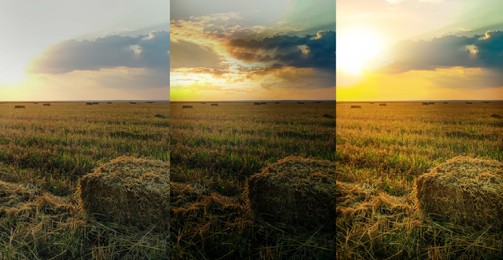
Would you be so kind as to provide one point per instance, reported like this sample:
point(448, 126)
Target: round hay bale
point(465, 191)
point(295, 191)
point(128, 191)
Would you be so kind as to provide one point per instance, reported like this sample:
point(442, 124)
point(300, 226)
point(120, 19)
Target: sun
point(357, 49)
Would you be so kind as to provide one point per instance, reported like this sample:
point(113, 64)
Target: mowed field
point(54, 145)
point(381, 150)
point(214, 149)
point(44, 150)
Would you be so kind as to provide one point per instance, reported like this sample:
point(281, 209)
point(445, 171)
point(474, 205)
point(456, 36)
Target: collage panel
point(252, 129)
point(84, 130)
point(419, 145)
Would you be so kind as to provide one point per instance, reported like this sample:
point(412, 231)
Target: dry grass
point(464, 191)
point(295, 191)
point(128, 191)
point(382, 152)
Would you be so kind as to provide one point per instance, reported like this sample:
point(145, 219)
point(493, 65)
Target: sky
point(252, 50)
point(84, 50)
point(419, 50)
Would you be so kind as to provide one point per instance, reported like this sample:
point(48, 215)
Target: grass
point(44, 150)
point(380, 151)
point(214, 149)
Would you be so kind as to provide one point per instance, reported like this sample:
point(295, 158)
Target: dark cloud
point(310, 51)
point(145, 51)
point(484, 51)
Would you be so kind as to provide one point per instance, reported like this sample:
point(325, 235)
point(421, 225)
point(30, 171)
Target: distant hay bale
point(128, 191)
point(356, 106)
point(300, 103)
point(469, 103)
point(19, 106)
point(446, 102)
point(160, 116)
point(132, 103)
point(256, 103)
point(47, 104)
point(215, 104)
point(186, 106)
point(295, 191)
point(382, 104)
point(328, 116)
point(425, 103)
point(464, 191)
point(109, 102)
point(89, 103)
point(496, 116)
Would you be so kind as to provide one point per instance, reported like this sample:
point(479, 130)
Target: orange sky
point(244, 51)
point(419, 50)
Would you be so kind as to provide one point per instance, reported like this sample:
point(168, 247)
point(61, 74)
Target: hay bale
point(469, 103)
point(215, 105)
point(425, 103)
point(47, 104)
point(295, 191)
point(186, 106)
point(256, 103)
point(89, 103)
point(383, 104)
point(19, 106)
point(132, 103)
point(463, 191)
point(328, 116)
point(356, 106)
point(128, 191)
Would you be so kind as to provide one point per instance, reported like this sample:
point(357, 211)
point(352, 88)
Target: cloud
point(478, 51)
point(315, 51)
point(217, 50)
point(144, 51)
point(190, 55)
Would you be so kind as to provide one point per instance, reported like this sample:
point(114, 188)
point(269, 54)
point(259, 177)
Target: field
point(381, 150)
point(43, 152)
point(214, 149)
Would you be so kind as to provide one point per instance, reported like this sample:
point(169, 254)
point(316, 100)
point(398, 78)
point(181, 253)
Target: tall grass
point(380, 150)
point(43, 152)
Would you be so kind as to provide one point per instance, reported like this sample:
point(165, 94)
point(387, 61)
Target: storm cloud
point(150, 52)
point(478, 51)
point(309, 51)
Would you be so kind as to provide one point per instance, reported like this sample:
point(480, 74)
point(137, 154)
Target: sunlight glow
point(357, 49)
point(11, 72)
